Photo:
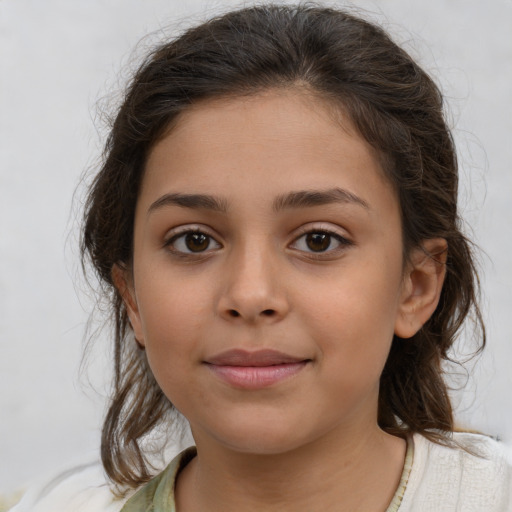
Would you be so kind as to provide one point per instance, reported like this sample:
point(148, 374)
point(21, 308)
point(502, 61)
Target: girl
point(276, 225)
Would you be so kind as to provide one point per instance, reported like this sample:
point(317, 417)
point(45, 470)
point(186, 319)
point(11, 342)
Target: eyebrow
point(194, 201)
point(309, 198)
point(299, 199)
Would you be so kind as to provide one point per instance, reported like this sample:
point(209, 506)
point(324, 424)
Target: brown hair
point(394, 105)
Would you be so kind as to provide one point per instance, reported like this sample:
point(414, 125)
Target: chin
point(263, 445)
point(265, 437)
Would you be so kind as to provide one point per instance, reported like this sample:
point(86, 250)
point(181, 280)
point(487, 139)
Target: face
point(267, 272)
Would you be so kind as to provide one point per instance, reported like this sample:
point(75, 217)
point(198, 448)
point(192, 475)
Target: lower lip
point(256, 377)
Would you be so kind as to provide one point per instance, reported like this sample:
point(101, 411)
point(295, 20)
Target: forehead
point(270, 142)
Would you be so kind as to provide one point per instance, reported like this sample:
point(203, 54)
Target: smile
point(255, 370)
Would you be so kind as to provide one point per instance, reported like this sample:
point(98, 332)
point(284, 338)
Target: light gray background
point(58, 58)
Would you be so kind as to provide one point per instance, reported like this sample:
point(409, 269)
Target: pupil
point(197, 242)
point(318, 242)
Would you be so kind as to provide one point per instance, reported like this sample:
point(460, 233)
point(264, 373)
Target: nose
point(253, 290)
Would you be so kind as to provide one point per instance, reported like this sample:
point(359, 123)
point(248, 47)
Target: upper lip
point(265, 357)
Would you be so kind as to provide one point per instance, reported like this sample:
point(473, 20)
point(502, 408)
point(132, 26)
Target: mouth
point(255, 370)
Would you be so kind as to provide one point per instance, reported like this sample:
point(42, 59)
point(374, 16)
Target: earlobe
point(124, 284)
point(422, 285)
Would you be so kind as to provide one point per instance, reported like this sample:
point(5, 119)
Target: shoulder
point(81, 489)
point(158, 493)
point(473, 475)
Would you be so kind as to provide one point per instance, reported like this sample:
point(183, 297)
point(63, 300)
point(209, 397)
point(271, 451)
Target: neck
point(334, 473)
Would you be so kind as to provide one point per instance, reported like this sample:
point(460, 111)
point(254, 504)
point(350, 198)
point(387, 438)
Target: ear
point(123, 281)
point(421, 286)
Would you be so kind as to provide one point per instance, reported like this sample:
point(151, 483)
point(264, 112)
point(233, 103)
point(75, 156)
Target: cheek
point(171, 308)
point(172, 318)
point(353, 321)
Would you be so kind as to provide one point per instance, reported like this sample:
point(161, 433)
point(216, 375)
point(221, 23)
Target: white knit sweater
point(441, 480)
point(448, 480)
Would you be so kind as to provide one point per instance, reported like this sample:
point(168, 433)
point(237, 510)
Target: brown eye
point(318, 242)
point(321, 242)
point(192, 242)
point(197, 242)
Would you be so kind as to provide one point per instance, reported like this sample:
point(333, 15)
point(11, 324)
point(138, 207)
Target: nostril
point(233, 313)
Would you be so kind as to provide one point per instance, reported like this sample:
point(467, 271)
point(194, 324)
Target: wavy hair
point(394, 105)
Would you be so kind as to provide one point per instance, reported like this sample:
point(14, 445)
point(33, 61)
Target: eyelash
point(343, 243)
point(328, 252)
point(170, 243)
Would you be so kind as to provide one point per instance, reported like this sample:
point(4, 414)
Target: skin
point(311, 441)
